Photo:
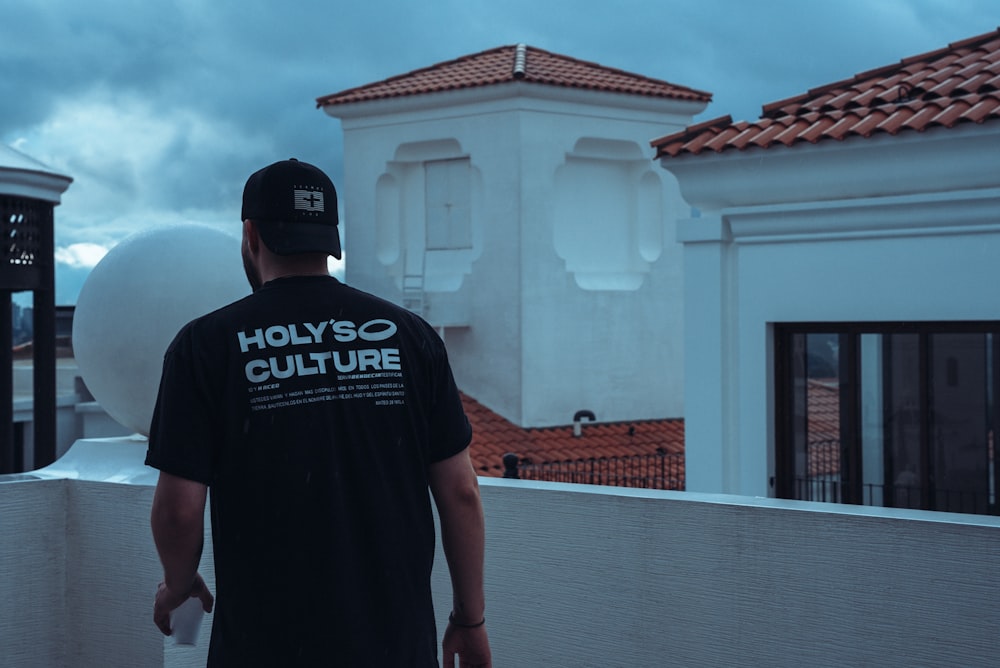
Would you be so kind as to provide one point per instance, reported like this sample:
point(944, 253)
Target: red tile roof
point(944, 88)
point(507, 64)
point(823, 409)
point(494, 436)
point(823, 427)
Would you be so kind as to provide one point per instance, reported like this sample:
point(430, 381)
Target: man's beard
point(253, 276)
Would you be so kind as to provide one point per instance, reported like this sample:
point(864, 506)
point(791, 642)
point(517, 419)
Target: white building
point(859, 223)
point(509, 196)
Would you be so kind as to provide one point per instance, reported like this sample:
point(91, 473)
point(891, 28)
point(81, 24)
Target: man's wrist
point(176, 589)
point(464, 623)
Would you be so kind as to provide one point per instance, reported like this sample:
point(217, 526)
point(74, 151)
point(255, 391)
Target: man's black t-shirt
point(312, 411)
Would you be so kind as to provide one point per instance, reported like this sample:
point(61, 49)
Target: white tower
point(510, 197)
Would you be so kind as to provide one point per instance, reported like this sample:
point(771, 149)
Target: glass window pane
point(817, 412)
point(893, 414)
point(798, 416)
point(872, 420)
point(903, 420)
point(959, 422)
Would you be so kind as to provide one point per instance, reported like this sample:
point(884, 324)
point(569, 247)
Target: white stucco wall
point(78, 567)
point(576, 575)
point(574, 291)
point(902, 228)
point(591, 576)
point(490, 292)
point(608, 344)
point(33, 573)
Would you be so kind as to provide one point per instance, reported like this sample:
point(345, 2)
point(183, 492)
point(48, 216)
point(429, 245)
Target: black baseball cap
point(295, 206)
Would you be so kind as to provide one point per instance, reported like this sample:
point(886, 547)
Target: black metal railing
point(823, 457)
point(660, 470)
point(831, 489)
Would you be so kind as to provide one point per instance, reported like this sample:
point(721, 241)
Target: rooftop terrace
point(576, 575)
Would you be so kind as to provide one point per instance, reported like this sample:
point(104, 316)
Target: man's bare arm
point(456, 494)
point(178, 523)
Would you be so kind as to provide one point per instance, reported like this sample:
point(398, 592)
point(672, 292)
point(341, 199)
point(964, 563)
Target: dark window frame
point(850, 488)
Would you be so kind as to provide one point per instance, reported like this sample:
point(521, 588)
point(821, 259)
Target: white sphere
point(133, 304)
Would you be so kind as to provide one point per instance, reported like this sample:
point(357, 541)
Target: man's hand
point(168, 601)
point(471, 646)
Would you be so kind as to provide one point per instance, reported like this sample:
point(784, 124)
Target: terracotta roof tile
point(896, 93)
point(978, 81)
point(788, 136)
point(742, 138)
point(870, 123)
point(767, 134)
point(895, 120)
point(723, 137)
point(814, 131)
point(823, 406)
point(493, 437)
point(507, 64)
point(843, 126)
point(983, 108)
point(942, 88)
point(844, 99)
point(922, 118)
point(952, 113)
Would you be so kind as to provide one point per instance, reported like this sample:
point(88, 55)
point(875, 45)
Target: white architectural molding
point(23, 176)
point(937, 160)
point(513, 96)
point(402, 224)
point(608, 222)
point(956, 212)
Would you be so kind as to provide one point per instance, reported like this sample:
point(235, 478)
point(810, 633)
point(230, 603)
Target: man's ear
point(252, 236)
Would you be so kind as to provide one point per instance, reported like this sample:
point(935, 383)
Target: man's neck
point(277, 266)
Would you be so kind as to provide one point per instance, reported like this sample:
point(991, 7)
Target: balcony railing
point(826, 483)
point(661, 470)
point(831, 489)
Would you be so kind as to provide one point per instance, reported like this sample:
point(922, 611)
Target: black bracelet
point(451, 620)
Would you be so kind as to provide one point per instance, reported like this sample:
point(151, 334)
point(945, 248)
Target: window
point(447, 201)
point(888, 414)
point(26, 230)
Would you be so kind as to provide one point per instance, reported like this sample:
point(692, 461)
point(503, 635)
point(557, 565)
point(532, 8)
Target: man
point(319, 416)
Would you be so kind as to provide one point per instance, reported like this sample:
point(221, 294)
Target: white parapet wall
point(576, 576)
point(77, 564)
point(598, 576)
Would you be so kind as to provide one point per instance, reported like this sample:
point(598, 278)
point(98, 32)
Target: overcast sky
point(160, 110)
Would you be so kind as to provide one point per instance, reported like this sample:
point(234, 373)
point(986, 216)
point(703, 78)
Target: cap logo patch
point(309, 200)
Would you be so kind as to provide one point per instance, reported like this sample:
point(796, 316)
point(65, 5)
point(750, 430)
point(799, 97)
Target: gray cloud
point(160, 110)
